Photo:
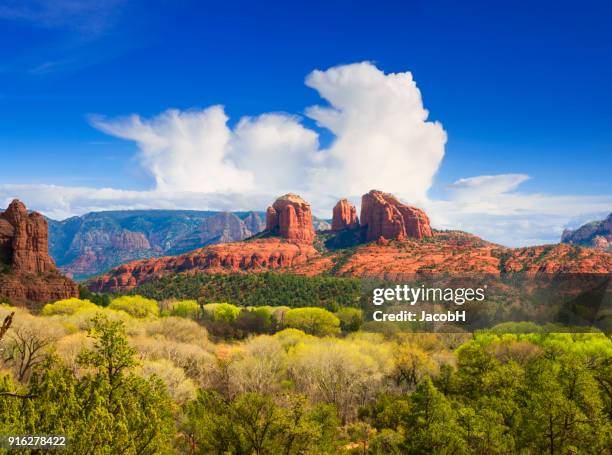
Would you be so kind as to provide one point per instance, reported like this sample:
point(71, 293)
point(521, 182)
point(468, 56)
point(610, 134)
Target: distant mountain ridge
point(97, 241)
point(596, 234)
point(93, 243)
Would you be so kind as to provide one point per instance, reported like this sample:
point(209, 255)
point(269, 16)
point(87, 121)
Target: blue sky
point(519, 87)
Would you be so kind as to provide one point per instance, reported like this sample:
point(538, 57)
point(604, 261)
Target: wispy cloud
point(493, 207)
point(74, 26)
point(87, 17)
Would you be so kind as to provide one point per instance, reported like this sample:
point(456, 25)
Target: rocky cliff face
point(386, 217)
point(27, 272)
point(345, 216)
point(596, 234)
point(254, 223)
point(223, 227)
point(251, 256)
point(24, 240)
point(449, 253)
point(291, 218)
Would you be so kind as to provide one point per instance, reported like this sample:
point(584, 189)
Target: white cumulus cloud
point(382, 136)
point(382, 140)
point(184, 151)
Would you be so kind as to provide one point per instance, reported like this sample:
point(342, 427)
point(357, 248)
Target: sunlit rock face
point(386, 217)
point(28, 272)
point(291, 218)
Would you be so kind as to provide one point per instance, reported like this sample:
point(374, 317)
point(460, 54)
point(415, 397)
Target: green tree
point(431, 426)
point(351, 319)
point(67, 306)
point(563, 408)
point(186, 309)
point(95, 297)
point(136, 306)
point(106, 410)
point(387, 442)
point(315, 321)
point(253, 423)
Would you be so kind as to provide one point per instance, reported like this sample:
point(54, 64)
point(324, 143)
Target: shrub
point(186, 309)
point(315, 321)
point(291, 337)
point(179, 329)
point(225, 312)
point(197, 363)
point(67, 307)
point(83, 319)
point(180, 387)
point(136, 306)
point(350, 319)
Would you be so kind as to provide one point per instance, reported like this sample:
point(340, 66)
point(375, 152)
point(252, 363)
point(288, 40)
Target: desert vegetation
point(165, 376)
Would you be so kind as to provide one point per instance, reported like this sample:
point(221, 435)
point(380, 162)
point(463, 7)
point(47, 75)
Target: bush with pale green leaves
point(222, 311)
point(186, 309)
point(136, 306)
point(315, 321)
point(68, 306)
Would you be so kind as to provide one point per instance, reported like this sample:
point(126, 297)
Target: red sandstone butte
point(345, 216)
point(24, 247)
point(291, 218)
point(24, 240)
point(385, 216)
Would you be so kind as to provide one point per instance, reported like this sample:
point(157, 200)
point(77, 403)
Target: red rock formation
point(458, 254)
point(345, 216)
point(22, 289)
point(447, 254)
point(31, 275)
point(385, 216)
point(552, 260)
point(291, 218)
point(28, 238)
point(252, 256)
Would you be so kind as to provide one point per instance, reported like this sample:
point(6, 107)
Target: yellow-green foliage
point(343, 372)
point(185, 309)
point(81, 320)
point(315, 321)
point(136, 306)
point(178, 329)
point(67, 306)
point(222, 311)
point(290, 337)
point(180, 387)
